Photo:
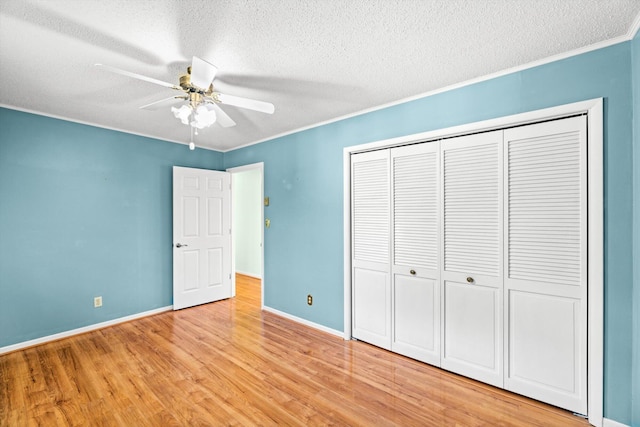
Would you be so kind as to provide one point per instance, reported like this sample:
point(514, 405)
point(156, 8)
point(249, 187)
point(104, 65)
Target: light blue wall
point(303, 177)
point(635, 48)
point(84, 212)
point(303, 252)
point(247, 222)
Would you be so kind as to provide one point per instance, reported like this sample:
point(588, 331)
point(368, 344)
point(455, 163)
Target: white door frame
point(595, 180)
point(253, 166)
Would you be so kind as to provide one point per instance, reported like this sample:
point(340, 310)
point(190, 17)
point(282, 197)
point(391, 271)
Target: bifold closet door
point(370, 240)
point(415, 252)
point(545, 258)
point(471, 234)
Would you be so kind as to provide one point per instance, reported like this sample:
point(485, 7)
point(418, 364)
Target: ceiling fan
point(201, 107)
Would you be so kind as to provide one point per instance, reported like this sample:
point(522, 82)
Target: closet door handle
point(470, 280)
point(412, 272)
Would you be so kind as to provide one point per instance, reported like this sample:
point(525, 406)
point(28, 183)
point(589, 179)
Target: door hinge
point(229, 275)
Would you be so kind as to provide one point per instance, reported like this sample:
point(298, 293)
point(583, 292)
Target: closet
point(470, 253)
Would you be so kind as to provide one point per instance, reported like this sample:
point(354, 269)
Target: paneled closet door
point(370, 234)
point(472, 212)
point(415, 252)
point(545, 260)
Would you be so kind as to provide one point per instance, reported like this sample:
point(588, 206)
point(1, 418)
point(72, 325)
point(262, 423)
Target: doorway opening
point(247, 218)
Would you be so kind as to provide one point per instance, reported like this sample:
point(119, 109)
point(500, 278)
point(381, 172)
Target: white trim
point(594, 109)
point(346, 215)
point(82, 122)
point(595, 262)
point(502, 73)
point(255, 276)
point(244, 168)
point(84, 329)
point(606, 422)
point(303, 321)
point(482, 126)
point(558, 57)
point(635, 27)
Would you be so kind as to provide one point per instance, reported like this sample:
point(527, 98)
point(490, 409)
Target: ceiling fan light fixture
point(197, 125)
point(203, 117)
point(182, 113)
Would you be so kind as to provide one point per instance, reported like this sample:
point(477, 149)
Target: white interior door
point(201, 236)
point(546, 262)
point(472, 256)
point(370, 212)
point(415, 252)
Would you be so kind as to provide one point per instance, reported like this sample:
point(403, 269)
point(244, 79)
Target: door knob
point(412, 272)
point(179, 245)
point(470, 279)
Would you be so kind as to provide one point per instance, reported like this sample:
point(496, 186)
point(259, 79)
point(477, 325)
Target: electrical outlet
point(97, 302)
point(309, 299)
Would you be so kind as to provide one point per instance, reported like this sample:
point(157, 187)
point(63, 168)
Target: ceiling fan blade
point(138, 76)
point(251, 104)
point(167, 102)
point(222, 118)
point(202, 73)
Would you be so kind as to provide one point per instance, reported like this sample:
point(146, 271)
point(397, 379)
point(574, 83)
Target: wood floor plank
point(230, 363)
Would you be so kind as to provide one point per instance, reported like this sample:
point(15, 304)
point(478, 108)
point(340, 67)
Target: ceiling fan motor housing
point(185, 81)
point(195, 99)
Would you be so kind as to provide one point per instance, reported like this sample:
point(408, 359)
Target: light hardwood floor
point(229, 363)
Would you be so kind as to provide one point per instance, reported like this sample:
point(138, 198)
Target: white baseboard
point(255, 276)
point(54, 337)
point(606, 422)
point(304, 321)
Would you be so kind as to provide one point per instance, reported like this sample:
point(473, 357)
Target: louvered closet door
point(545, 258)
point(415, 252)
point(370, 216)
point(472, 256)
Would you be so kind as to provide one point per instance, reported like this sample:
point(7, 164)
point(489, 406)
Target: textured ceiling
point(315, 60)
